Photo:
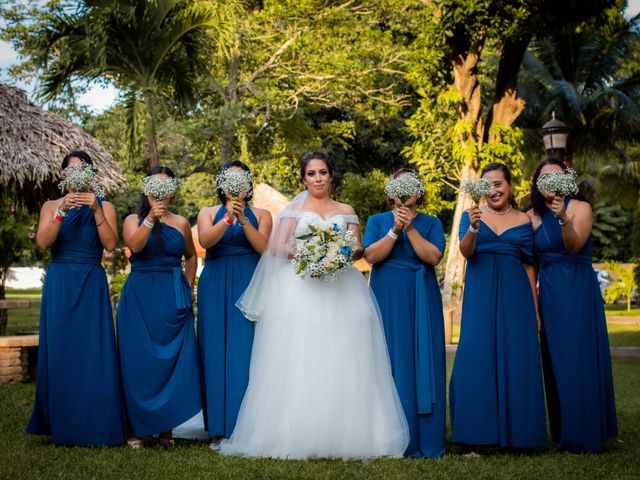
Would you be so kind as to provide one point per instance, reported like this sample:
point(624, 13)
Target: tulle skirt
point(320, 383)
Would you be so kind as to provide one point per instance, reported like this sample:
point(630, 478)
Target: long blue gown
point(156, 339)
point(575, 344)
point(225, 336)
point(411, 306)
point(78, 397)
point(496, 393)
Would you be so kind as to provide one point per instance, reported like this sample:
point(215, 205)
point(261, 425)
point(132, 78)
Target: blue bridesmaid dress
point(496, 393)
point(575, 345)
point(156, 339)
point(225, 336)
point(78, 398)
point(410, 303)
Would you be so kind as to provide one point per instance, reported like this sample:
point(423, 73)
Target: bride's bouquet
point(561, 183)
point(324, 252)
point(82, 178)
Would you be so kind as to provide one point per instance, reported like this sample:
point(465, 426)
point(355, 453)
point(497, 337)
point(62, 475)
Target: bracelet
point(242, 225)
point(473, 230)
point(392, 234)
point(562, 224)
point(226, 219)
point(58, 216)
point(103, 220)
point(147, 223)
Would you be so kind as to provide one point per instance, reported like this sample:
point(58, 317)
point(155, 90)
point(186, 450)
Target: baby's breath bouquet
point(324, 252)
point(476, 188)
point(81, 178)
point(160, 187)
point(235, 183)
point(404, 186)
point(559, 183)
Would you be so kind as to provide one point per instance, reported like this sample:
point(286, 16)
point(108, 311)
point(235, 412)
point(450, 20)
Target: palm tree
point(582, 72)
point(155, 51)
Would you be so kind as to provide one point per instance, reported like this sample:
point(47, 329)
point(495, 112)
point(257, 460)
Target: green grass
point(24, 319)
point(621, 311)
point(25, 456)
point(624, 334)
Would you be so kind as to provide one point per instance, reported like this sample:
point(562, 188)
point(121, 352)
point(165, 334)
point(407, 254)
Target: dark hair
point(144, 207)
point(400, 172)
point(536, 200)
point(304, 161)
point(81, 154)
point(490, 167)
point(236, 163)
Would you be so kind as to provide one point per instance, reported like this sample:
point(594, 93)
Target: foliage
point(611, 224)
point(281, 173)
point(624, 287)
point(365, 192)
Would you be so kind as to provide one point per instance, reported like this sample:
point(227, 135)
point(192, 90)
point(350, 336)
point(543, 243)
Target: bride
point(320, 383)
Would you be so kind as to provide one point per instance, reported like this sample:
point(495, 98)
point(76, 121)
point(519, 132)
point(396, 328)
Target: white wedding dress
point(320, 383)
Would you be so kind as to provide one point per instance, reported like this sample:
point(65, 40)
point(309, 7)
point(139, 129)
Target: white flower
point(324, 252)
point(477, 188)
point(234, 183)
point(561, 183)
point(160, 187)
point(404, 187)
point(82, 178)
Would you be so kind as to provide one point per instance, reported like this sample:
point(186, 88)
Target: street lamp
point(554, 135)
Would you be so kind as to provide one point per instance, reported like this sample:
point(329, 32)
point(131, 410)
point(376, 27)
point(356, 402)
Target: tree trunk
point(453, 287)
point(4, 313)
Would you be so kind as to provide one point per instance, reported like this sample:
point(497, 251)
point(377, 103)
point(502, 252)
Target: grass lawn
point(24, 456)
point(621, 311)
point(24, 319)
point(624, 334)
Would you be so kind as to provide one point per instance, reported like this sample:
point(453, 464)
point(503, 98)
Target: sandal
point(134, 443)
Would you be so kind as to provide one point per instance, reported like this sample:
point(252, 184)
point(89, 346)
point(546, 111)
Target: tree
point(154, 51)
point(16, 240)
point(466, 63)
point(624, 287)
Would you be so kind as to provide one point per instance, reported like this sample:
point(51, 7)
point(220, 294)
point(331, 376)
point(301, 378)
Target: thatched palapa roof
point(33, 143)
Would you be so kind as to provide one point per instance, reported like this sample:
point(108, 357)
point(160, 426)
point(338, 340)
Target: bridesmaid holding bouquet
point(496, 393)
point(156, 336)
point(234, 234)
point(78, 397)
point(404, 246)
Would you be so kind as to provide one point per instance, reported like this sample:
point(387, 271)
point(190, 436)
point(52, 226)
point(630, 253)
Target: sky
point(99, 97)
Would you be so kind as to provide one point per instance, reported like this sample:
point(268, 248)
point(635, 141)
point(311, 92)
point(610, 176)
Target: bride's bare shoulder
point(344, 208)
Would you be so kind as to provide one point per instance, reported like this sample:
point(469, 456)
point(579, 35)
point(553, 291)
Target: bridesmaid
point(496, 393)
point(575, 344)
point(404, 246)
point(78, 398)
point(156, 337)
point(234, 235)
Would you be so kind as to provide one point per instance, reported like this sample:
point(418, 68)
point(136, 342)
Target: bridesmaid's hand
point(158, 209)
point(229, 206)
point(69, 201)
point(474, 216)
point(398, 226)
point(88, 198)
point(406, 217)
point(238, 210)
point(558, 208)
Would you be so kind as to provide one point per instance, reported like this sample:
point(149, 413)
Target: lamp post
point(554, 135)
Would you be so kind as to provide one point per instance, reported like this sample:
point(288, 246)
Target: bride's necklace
point(499, 212)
